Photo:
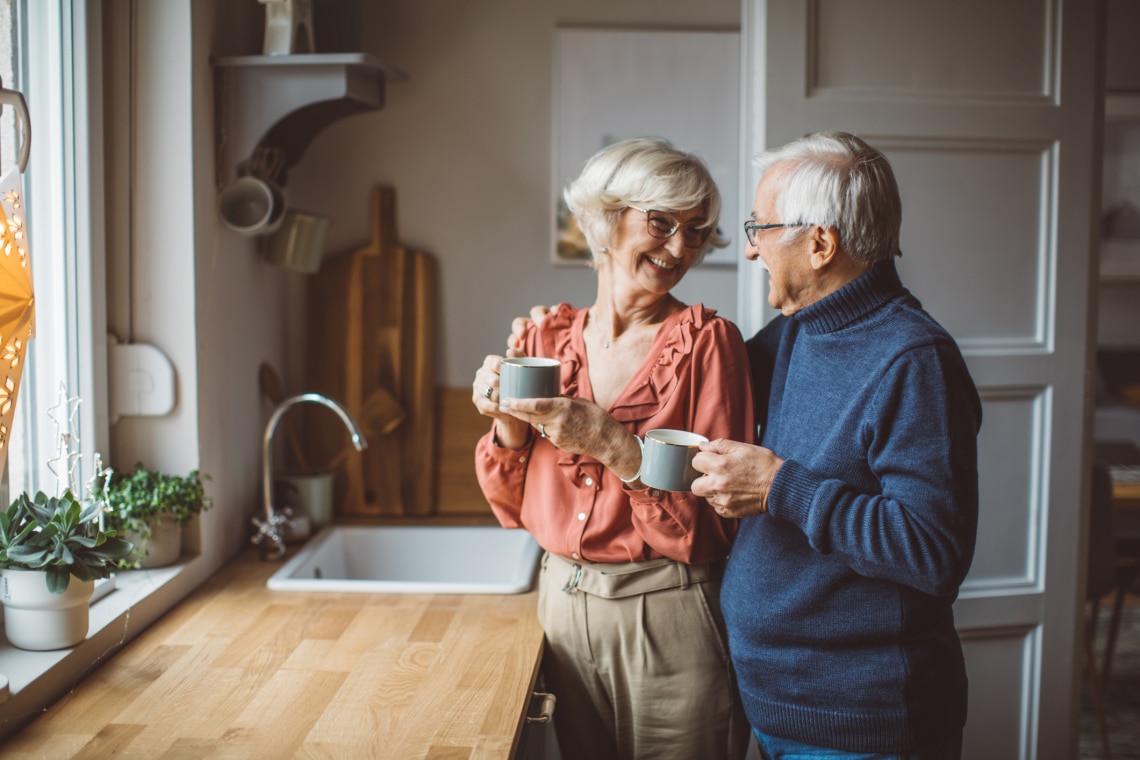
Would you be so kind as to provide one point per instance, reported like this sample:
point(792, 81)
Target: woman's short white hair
point(835, 179)
point(646, 173)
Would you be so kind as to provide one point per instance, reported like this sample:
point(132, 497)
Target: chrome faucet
point(268, 533)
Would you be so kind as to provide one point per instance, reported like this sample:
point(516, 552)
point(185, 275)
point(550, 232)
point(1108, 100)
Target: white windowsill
point(59, 670)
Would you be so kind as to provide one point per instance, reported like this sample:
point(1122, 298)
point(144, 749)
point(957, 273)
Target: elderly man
point(860, 505)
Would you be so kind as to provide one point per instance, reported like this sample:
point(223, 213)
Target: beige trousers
point(636, 656)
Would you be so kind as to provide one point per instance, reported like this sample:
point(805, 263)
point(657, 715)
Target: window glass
point(14, 448)
point(52, 77)
point(9, 48)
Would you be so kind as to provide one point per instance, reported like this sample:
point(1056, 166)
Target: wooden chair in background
point(1101, 581)
point(1126, 548)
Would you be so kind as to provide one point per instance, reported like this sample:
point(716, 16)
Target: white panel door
point(987, 109)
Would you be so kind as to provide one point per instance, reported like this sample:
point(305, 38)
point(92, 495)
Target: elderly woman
point(629, 588)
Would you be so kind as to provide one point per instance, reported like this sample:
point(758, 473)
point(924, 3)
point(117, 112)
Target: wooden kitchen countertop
point(237, 670)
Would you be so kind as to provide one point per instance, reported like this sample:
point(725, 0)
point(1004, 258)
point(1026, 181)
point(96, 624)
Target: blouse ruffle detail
point(643, 402)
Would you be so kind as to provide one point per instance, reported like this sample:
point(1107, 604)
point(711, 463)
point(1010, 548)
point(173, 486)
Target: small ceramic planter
point(163, 547)
point(310, 495)
point(37, 619)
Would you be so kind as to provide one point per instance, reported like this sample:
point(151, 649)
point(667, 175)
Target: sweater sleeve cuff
point(793, 490)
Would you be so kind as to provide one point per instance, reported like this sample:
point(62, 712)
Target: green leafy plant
point(134, 499)
point(59, 536)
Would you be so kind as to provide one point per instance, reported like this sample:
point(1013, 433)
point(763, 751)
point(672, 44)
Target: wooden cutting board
point(371, 342)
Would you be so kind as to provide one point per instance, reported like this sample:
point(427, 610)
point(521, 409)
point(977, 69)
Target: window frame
point(64, 191)
point(62, 81)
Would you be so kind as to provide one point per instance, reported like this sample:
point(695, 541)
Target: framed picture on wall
point(615, 84)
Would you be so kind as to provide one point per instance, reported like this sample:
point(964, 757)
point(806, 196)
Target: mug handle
point(15, 99)
point(636, 475)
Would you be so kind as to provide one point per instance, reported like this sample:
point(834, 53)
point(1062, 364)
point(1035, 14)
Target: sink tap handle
point(268, 535)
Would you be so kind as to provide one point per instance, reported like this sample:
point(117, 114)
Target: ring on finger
point(542, 430)
point(487, 392)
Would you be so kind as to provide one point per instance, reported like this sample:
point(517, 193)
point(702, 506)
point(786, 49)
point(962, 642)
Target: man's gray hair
point(646, 173)
point(834, 179)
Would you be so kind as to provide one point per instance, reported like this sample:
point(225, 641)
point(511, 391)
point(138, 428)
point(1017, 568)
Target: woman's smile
point(660, 263)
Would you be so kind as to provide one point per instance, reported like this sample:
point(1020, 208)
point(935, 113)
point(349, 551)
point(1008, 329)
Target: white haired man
point(859, 506)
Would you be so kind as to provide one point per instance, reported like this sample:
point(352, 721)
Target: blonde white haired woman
point(628, 594)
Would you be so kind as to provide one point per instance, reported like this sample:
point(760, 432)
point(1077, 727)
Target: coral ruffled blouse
point(696, 377)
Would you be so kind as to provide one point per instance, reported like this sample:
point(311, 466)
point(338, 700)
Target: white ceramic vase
point(163, 547)
point(37, 619)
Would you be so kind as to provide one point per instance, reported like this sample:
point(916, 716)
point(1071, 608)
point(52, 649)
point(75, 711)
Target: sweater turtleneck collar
point(853, 301)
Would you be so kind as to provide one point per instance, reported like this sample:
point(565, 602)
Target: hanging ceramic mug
point(299, 243)
point(251, 206)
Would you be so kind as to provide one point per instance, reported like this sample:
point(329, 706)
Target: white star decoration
point(67, 448)
point(100, 480)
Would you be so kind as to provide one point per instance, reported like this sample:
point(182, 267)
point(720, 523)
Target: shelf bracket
point(283, 101)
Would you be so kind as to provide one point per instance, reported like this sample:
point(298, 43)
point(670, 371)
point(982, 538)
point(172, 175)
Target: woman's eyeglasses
point(662, 226)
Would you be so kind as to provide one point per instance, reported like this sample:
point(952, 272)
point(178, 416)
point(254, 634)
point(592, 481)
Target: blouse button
point(522, 459)
point(589, 481)
point(654, 493)
point(574, 555)
point(581, 516)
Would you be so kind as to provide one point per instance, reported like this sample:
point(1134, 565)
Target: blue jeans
point(775, 748)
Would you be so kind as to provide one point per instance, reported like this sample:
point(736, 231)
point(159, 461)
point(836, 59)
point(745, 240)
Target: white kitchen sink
point(412, 559)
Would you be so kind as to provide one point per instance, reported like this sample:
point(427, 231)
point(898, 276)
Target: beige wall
point(176, 279)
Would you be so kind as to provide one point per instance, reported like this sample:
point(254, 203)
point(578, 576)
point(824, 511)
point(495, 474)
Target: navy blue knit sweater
point(838, 600)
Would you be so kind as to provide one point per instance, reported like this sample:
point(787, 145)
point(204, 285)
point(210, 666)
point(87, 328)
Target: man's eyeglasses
point(753, 229)
point(662, 226)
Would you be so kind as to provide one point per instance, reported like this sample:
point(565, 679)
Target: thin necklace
point(597, 325)
point(601, 335)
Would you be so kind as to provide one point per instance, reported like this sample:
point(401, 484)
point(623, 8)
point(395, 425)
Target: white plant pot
point(163, 547)
point(310, 495)
point(37, 619)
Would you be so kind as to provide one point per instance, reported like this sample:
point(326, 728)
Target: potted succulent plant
point(149, 508)
point(51, 551)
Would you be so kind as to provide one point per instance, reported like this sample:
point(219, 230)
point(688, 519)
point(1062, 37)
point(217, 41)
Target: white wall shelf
point(1122, 105)
point(1120, 261)
point(283, 101)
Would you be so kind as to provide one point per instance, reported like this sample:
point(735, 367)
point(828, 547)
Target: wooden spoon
point(274, 392)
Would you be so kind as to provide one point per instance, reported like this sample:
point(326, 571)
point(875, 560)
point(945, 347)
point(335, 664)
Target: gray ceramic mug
point(529, 377)
point(667, 459)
